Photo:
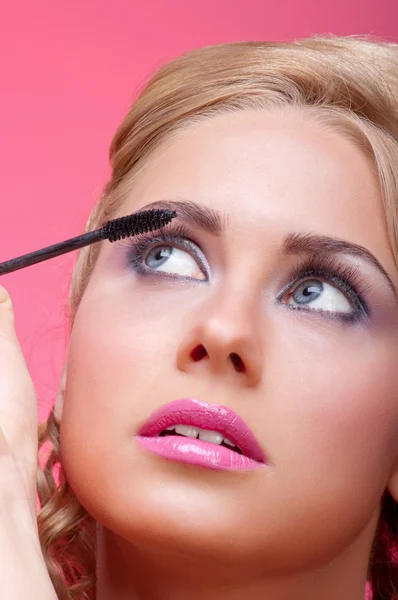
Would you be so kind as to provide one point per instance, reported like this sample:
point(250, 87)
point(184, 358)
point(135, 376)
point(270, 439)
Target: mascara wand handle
point(50, 252)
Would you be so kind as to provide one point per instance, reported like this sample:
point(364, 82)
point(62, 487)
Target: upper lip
point(206, 416)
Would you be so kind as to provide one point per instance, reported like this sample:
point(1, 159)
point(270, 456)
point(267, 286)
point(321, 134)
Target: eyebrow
point(215, 222)
point(206, 218)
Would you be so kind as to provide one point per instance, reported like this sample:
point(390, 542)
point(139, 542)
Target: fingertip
point(5, 301)
point(4, 295)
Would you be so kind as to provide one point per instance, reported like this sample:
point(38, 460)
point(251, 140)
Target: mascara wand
point(117, 229)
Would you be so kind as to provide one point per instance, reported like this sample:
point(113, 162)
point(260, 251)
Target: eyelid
point(345, 277)
point(174, 234)
point(171, 231)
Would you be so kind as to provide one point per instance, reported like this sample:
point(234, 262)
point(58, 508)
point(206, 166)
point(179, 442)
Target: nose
point(224, 338)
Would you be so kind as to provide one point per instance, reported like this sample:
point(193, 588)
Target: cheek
point(112, 351)
point(329, 417)
point(335, 415)
point(120, 354)
point(121, 337)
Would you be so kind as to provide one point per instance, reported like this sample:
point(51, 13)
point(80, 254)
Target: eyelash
point(346, 278)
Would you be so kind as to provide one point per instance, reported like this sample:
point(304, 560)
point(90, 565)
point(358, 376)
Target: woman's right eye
point(174, 261)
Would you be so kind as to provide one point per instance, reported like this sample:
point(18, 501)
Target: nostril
point(198, 353)
point(237, 362)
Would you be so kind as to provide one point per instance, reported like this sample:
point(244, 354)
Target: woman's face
point(313, 324)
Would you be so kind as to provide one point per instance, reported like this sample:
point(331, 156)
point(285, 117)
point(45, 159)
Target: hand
point(23, 573)
point(18, 425)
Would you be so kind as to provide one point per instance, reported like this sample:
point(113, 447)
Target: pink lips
point(198, 452)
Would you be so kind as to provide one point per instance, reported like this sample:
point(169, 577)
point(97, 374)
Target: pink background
point(69, 69)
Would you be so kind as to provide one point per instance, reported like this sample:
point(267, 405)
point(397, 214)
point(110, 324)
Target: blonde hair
point(347, 83)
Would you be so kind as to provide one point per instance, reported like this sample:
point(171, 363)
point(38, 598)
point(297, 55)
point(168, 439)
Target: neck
point(126, 572)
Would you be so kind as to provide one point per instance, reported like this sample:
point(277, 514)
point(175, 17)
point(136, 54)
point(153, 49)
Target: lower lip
point(196, 452)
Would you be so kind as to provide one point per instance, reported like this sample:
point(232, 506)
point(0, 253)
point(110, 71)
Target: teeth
point(210, 436)
point(206, 435)
point(187, 430)
point(229, 443)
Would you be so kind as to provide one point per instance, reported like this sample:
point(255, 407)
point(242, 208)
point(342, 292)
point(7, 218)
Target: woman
point(227, 421)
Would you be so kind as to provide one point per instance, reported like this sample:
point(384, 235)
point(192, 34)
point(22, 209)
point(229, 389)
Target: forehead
point(271, 172)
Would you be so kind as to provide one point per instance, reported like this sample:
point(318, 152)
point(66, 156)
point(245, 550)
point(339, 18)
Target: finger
point(6, 312)
point(18, 406)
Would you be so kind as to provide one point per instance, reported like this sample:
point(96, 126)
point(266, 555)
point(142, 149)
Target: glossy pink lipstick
point(158, 436)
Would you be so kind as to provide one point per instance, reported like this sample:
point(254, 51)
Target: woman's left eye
point(316, 294)
point(174, 261)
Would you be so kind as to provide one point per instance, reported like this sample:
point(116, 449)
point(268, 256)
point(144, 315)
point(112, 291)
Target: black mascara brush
point(117, 229)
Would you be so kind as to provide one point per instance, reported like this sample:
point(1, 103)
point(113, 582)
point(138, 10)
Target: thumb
point(18, 405)
point(6, 312)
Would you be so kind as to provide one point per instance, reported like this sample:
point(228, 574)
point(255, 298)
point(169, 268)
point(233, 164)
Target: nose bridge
point(232, 316)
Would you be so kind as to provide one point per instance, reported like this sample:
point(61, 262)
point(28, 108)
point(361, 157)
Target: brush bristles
point(143, 222)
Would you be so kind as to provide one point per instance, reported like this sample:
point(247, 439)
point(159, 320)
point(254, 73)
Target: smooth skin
point(318, 393)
